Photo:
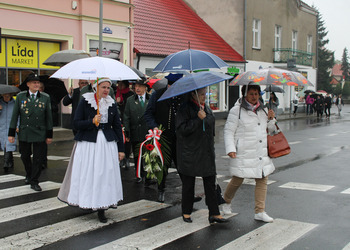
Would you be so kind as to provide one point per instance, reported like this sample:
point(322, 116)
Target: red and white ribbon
point(155, 135)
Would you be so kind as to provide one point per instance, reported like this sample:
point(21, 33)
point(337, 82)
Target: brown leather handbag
point(277, 144)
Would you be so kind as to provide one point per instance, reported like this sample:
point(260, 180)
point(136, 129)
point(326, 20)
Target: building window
point(294, 41)
point(256, 34)
point(278, 39)
point(309, 44)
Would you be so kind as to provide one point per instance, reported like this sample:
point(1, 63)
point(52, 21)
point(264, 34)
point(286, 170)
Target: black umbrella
point(308, 91)
point(139, 73)
point(273, 88)
point(63, 57)
point(54, 87)
point(8, 89)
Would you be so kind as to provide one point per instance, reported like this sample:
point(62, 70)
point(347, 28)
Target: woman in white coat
point(245, 138)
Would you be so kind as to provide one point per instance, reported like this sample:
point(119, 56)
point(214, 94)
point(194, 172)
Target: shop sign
point(233, 71)
point(46, 49)
point(22, 53)
point(3, 53)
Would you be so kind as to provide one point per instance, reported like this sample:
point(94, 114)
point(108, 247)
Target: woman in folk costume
point(92, 180)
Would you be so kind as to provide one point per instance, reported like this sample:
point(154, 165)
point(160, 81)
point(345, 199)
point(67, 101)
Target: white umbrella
point(63, 57)
point(96, 67)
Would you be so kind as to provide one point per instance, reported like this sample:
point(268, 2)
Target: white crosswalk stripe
point(161, 234)
point(287, 231)
point(10, 177)
point(31, 208)
point(307, 186)
point(23, 190)
point(59, 231)
point(346, 191)
point(276, 235)
point(347, 247)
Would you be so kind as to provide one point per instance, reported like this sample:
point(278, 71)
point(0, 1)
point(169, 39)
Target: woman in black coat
point(195, 129)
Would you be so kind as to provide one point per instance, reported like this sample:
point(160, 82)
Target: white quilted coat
point(247, 137)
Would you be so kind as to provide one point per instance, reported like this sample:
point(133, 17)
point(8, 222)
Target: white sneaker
point(226, 209)
point(263, 217)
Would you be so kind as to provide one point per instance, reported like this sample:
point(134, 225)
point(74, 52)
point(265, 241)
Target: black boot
point(127, 163)
point(6, 161)
point(10, 163)
point(101, 215)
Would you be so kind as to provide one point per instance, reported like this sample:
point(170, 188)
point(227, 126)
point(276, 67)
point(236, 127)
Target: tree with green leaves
point(338, 89)
point(346, 89)
point(325, 57)
point(345, 65)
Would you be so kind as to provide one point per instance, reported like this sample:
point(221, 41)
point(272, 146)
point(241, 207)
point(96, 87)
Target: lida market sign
point(27, 53)
point(22, 53)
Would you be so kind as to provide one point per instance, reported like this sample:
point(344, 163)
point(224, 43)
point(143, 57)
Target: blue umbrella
point(191, 60)
point(192, 82)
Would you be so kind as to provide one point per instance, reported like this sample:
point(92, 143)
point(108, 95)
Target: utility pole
point(100, 29)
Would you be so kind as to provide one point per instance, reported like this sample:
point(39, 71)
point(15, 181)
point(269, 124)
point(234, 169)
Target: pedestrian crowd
point(111, 121)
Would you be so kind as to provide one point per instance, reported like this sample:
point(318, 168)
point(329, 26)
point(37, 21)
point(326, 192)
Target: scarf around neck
point(121, 92)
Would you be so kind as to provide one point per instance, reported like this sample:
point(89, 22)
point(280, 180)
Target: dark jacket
point(319, 103)
point(328, 102)
point(195, 147)
point(337, 101)
point(87, 131)
point(74, 101)
point(122, 105)
point(162, 113)
point(134, 121)
point(35, 117)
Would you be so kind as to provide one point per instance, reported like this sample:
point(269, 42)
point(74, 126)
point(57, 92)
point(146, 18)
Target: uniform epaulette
point(22, 93)
point(44, 94)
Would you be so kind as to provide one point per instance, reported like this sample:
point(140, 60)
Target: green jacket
point(35, 118)
point(134, 121)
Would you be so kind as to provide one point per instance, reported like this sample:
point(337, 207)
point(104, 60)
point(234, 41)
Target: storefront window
point(17, 76)
point(2, 76)
point(214, 96)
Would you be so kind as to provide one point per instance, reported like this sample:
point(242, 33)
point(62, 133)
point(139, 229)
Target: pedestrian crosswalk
point(262, 236)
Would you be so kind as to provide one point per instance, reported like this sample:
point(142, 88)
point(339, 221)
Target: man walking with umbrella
point(73, 98)
point(35, 128)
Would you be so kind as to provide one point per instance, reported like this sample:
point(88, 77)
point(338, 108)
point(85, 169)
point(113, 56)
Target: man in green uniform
point(33, 109)
point(135, 124)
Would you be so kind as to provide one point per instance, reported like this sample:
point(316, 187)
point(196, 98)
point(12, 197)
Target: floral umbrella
point(271, 76)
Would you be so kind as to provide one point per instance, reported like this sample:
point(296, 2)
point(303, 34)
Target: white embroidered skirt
point(92, 179)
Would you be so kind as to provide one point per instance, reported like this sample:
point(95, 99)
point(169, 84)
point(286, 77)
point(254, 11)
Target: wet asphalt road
point(320, 155)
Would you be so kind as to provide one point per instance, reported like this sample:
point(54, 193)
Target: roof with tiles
point(163, 27)
point(336, 70)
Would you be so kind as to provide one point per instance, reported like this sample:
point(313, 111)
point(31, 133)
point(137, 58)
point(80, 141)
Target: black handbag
point(219, 197)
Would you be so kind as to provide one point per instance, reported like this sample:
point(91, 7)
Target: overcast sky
point(336, 16)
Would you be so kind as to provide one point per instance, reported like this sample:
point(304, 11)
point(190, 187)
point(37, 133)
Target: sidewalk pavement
point(62, 134)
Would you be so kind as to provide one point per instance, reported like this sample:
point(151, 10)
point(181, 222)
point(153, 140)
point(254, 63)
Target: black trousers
point(33, 169)
point(188, 183)
point(171, 138)
point(327, 108)
point(135, 149)
point(127, 146)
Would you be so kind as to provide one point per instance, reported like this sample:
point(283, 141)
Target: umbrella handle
point(98, 106)
point(200, 108)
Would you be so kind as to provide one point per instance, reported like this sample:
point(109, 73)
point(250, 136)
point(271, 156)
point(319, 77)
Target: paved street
point(308, 195)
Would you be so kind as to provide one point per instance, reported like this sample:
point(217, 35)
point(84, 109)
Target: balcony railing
point(300, 57)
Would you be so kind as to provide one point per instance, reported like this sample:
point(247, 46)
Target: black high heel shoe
point(188, 220)
point(101, 215)
point(213, 219)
